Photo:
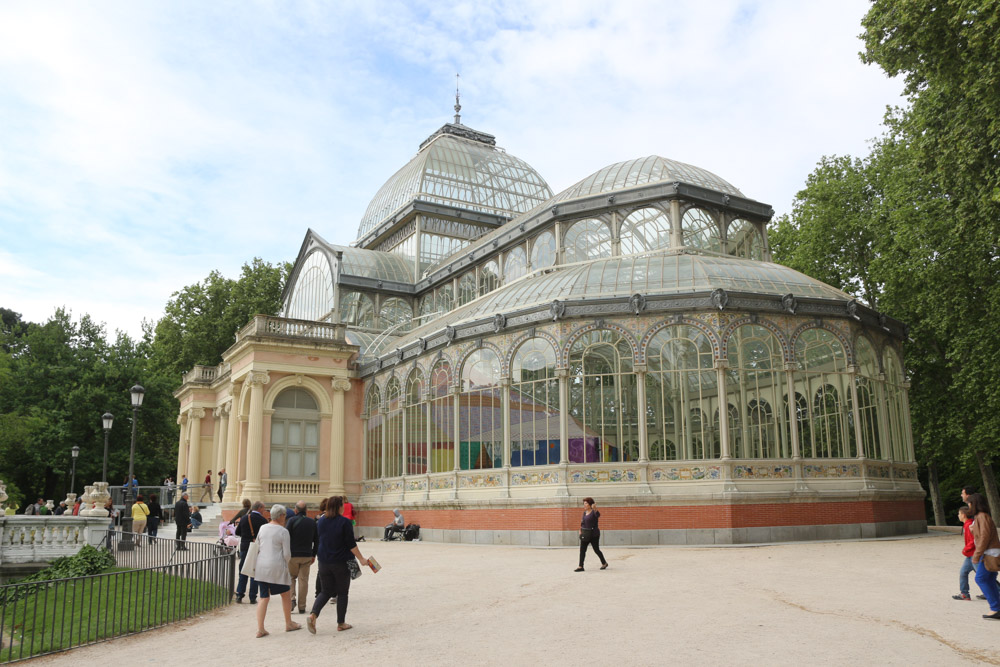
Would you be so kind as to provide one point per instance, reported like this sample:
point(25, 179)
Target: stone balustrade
point(283, 327)
point(41, 539)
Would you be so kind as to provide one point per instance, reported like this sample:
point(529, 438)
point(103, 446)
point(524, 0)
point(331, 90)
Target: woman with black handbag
point(590, 533)
point(336, 559)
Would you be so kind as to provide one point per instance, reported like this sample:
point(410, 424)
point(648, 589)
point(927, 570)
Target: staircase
point(212, 514)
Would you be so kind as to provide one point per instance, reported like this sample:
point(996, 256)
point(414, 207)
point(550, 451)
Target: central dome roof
point(459, 166)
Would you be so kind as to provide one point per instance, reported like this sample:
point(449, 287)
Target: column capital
point(562, 372)
point(791, 366)
point(197, 413)
point(258, 378)
point(182, 418)
point(340, 383)
point(722, 363)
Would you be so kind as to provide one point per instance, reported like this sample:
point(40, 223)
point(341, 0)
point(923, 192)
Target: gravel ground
point(881, 601)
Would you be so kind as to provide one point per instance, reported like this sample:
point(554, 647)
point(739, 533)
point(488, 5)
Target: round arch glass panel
point(442, 416)
point(755, 385)
point(743, 239)
point(312, 297)
point(868, 387)
point(396, 314)
point(644, 230)
point(480, 429)
point(586, 239)
point(489, 277)
point(373, 433)
point(515, 265)
point(534, 404)
point(700, 231)
point(543, 251)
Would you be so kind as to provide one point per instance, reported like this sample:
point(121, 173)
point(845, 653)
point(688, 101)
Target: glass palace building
point(488, 353)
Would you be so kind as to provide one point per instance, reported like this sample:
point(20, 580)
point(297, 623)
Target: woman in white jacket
point(271, 571)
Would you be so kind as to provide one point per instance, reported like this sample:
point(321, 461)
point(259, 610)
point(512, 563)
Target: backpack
point(411, 532)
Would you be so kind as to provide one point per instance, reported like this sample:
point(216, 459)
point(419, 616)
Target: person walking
point(271, 571)
point(155, 517)
point(984, 532)
point(590, 533)
point(139, 513)
point(206, 490)
point(352, 517)
point(184, 483)
point(336, 548)
point(182, 517)
point(223, 483)
point(305, 542)
point(168, 495)
point(250, 525)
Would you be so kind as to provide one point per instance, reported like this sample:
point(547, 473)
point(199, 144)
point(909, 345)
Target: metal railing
point(161, 581)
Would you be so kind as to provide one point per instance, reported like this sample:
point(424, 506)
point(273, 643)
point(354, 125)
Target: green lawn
point(118, 602)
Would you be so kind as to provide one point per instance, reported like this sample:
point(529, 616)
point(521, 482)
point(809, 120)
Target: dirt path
point(886, 602)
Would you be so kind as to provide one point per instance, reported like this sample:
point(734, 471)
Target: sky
point(143, 145)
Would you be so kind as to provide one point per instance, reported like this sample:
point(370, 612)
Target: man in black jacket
point(182, 516)
point(304, 542)
point(249, 526)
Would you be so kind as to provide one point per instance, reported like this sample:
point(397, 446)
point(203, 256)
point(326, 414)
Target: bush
point(86, 562)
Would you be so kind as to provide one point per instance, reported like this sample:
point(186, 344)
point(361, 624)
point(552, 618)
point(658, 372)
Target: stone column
point(456, 396)
point(428, 397)
point(233, 447)
point(182, 421)
point(563, 375)
point(676, 236)
point(340, 386)
point(640, 377)
point(222, 445)
point(255, 435)
point(725, 446)
point(505, 410)
point(194, 447)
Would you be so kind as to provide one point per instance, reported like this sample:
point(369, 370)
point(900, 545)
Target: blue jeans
point(241, 587)
point(963, 575)
point(988, 584)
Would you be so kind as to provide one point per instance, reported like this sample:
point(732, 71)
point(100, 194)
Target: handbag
point(354, 568)
point(250, 562)
point(992, 563)
point(586, 534)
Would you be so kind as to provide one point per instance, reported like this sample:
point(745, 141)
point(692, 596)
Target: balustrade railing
point(40, 539)
point(265, 325)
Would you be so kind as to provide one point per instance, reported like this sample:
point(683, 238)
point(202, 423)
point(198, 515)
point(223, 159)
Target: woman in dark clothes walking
point(336, 547)
point(590, 533)
point(154, 518)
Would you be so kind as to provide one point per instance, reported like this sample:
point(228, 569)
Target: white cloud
point(145, 145)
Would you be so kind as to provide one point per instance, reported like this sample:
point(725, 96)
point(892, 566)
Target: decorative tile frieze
point(905, 472)
point(480, 481)
point(814, 471)
point(534, 478)
point(877, 470)
point(681, 473)
point(603, 476)
point(418, 484)
point(371, 487)
point(445, 482)
point(762, 471)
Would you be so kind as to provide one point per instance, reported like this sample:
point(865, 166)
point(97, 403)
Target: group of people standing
point(287, 546)
point(981, 551)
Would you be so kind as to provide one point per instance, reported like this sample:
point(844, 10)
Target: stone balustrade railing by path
point(41, 539)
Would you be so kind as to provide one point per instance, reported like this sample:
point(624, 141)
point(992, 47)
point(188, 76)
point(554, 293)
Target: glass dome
point(454, 170)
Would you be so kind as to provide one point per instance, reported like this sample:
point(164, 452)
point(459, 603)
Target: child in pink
point(964, 515)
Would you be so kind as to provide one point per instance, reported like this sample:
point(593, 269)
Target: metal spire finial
point(458, 106)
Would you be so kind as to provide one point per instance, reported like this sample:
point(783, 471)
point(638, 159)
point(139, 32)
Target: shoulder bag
point(250, 562)
point(354, 568)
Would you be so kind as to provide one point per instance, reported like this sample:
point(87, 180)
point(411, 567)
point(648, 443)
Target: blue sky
point(143, 145)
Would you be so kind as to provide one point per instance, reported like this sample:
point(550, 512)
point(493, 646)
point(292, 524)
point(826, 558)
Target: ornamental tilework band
point(907, 472)
point(877, 470)
point(762, 472)
point(487, 481)
point(394, 487)
point(372, 487)
point(603, 476)
point(416, 485)
point(680, 473)
point(533, 478)
point(820, 471)
point(438, 483)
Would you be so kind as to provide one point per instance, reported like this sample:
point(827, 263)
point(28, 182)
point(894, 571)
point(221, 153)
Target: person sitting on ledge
point(396, 526)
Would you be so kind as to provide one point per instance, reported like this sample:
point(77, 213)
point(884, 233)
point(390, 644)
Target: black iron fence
point(156, 581)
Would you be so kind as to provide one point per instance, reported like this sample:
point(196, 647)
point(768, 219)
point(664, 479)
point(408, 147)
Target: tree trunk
point(932, 481)
point(989, 482)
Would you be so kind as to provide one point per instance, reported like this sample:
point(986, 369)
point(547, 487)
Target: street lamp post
point(108, 419)
point(126, 542)
point(75, 450)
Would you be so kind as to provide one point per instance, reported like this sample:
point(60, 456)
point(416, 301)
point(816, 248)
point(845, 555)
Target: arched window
point(294, 435)
point(396, 314)
point(534, 405)
point(898, 415)
point(393, 408)
point(312, 296)
point(644, 230)
point(699, 230)
point(480, 429)
point(867, 381)
point(445, 298)
point(681, 380)
point(754, 383)
point(516, 264)
point(603, 401)
point(373, 434)
point(743, 239)
point(427, 308)
point(803, 421)
point(586, 239)
point(823, 376)
point(415, 431)
point(543, 251)
point(357, 309)
point(467, 287)
point(442, 419)
point(489, 277)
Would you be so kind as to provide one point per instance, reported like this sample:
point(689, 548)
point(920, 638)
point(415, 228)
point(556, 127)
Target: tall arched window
point(896, 411)
point(294, 435)
point(442, 419)
point(603, 401)
point(543, 251)
point(644, 230)
point(743, 239)
point(445, 298)
point(681, 381)
point(312, 296)
point(586, 239)
point(699, 230)
point(467, 288)
point(867, 382)
point(489, 277)
point(357, 309)
point(534, 405)
point(427, 308)
point(516, 264)
point(373, 434)
point(415, 443)
point(823, 379)
point(755, 384)
point(396, 314)
point(480, 429)
point(393, 428)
